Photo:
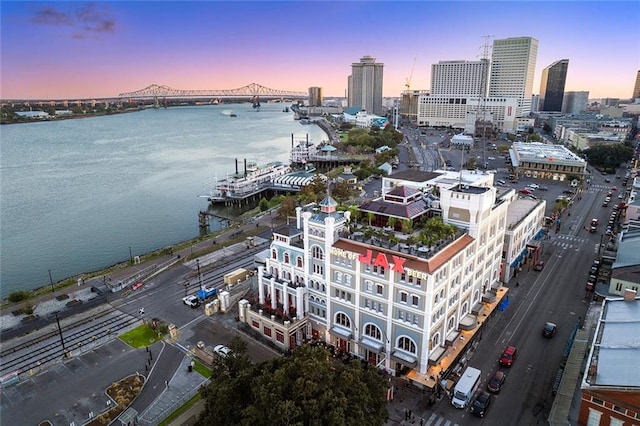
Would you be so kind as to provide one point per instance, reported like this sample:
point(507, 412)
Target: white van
point(466, 387)
point(501, 182)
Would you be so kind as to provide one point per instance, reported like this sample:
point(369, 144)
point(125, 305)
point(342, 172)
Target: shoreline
point(70, 284)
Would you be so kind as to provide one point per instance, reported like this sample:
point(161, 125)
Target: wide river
point(77, 195)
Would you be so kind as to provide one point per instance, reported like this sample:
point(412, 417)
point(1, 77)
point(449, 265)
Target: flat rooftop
point(546, 153)
point(616, 349)
point(519, 209)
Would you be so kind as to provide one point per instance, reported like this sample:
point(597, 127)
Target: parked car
point(543, 188)
point(525, 191)
point(496, 381)
point(534, 185)
point(481, 404)
point(549, 329)
point(222, 350)
point(539, 266)
point(508, 356)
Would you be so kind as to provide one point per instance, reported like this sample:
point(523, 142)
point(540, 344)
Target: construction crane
point(408, 83)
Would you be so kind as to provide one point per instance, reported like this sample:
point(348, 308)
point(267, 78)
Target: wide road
point(556, 294)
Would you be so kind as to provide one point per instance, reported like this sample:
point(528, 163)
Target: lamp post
point(199, 276)
point(64, 350)
point(130, 256)
point(53, 289)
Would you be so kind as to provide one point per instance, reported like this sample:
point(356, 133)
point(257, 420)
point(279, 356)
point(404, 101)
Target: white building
point(462, 112)
point(513, 64)
point(525, 226)
point(459, 78)
point(401, 301)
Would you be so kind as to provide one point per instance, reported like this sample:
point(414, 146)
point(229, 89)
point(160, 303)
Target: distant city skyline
point(61, 50)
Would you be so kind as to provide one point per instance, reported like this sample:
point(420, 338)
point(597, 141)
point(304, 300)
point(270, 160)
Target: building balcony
point(282, 282)
point(276, 315)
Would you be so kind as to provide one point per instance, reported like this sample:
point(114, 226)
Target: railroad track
point(28, 356)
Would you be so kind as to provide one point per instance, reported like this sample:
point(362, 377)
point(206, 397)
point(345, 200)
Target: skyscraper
point(365, 85)
point(575, 102)
point(636, 88)
point(459, 78)
point(513, 65)
point(552, 85)
point(315, 96)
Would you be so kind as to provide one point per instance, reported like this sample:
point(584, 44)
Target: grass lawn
point(197, 397)
point(141, 336)
point(202, 369)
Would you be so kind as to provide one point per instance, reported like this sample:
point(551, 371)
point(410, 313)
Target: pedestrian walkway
point(183, 385)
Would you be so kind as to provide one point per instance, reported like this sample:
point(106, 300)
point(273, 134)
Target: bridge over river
point(249, 92)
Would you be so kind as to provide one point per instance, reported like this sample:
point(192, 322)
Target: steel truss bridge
point(250, 91)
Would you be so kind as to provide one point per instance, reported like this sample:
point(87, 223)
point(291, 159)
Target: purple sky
point(54, 50)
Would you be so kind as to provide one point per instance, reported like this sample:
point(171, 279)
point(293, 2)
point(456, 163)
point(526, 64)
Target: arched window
point(347, 279)
point(373, 331)
point(343, 320)
point(338, 276)
point(316, 253)
point(274, 254)
point(286, 258)
point(435, 340)
point(324, 288)
point(450, 324)
point(406, 344)
point(299, 261)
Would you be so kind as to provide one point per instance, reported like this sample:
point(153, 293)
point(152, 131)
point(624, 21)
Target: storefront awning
point(405, 359)
point(342, 333)
point(372, 345)
point(436, 355)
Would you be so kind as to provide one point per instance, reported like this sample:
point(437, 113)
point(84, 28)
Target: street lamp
point(64, 350)
point(53, 289)
point(130, 256)
point(199, 276)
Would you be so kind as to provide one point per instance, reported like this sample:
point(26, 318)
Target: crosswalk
point(433, 420)
point(570, 242)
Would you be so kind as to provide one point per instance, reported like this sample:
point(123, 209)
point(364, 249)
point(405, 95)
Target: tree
point(264, 205)
point(307, 388)
point(287, 207)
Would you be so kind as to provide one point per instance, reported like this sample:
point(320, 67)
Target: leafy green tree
point(341, 191)
point(287, 207)
point(264, 205)
point(609, 156)
point(307, 388)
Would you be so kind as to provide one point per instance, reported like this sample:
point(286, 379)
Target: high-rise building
point(459, 78)
point(513, 65)
point(552, 86)
point(315, 96)
point(636, 88)
point(365, 85)
point(575, 102)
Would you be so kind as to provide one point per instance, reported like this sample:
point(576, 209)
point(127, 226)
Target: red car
point(525, 191)
point(508, 356)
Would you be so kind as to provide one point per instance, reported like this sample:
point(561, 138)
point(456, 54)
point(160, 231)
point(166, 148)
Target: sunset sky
point(61, 50)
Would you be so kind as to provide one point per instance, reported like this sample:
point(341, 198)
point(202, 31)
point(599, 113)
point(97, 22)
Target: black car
point(481, 404)
point(549, 329)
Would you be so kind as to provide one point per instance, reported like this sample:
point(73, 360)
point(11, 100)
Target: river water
point(77, 195)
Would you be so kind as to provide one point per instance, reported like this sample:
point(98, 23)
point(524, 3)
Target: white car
point(192, 301)
point(491, 158)
point(534, 186)
point(222, 350)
